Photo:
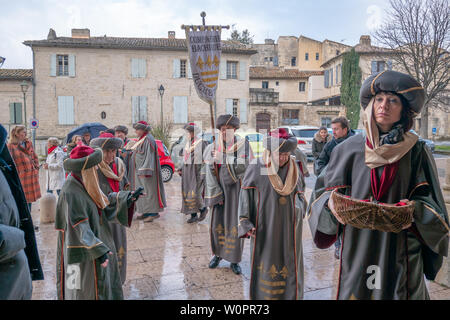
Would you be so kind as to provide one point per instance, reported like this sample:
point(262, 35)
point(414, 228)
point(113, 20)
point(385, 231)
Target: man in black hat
point(224, 169)
point(121, 132)
point(192, 181)
point(112, 177)
point(271, 208)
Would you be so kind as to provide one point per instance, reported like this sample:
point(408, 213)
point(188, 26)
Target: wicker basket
point(370, 215)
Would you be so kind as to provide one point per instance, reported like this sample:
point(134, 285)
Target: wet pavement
point(168, 259)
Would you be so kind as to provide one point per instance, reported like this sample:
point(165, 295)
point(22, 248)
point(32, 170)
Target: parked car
point(304, 135)
point(428, 142)
point(255, 139)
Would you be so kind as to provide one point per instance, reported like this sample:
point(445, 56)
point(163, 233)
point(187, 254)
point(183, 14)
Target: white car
point(304, 135)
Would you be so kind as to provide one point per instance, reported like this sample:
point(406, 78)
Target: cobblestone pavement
point(168, 259)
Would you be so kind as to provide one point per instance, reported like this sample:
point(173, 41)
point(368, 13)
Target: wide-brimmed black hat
point(142, 125)
point(280, 140)
point(396, 82)
point(83, 157)
point(228, 119)
point(106, 141)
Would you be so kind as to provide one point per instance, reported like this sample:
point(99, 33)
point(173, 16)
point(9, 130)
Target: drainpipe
point(33, 82)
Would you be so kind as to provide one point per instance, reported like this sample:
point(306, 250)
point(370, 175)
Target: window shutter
point(325, 78)
point(71, 65)
point(134, 68)
point(65, 110)
point(229, 106)
point(389, 64)
point(143, 108)
point(223, 69)
point(176, 68)
point(242, 70)
point(135, 109)
point(374, 67)
point(337, 74)
point(53, 65)
point(142, 64)
point(189, 71)
point(275, 61)
point(243, 113)
point(331, 77)
point(180, 114)
point(184, 109)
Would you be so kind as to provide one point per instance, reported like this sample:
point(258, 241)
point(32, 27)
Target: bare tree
point(419, 32)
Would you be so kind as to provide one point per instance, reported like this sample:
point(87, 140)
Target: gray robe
point(397, 260)
point(225, 241)
point(118, 231)
point(15, 278)
point(277, 257)
point(84, 236)
point(192, 180)
point(145, 171)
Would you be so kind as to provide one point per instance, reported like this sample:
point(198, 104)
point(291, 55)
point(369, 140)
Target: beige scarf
point(235, 147)
point(107, 171)
point(291, 179)
point(387, 153)
point(189, 148)
point(90, 181)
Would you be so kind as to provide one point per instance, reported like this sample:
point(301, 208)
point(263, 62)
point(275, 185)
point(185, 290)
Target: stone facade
point(267, 54)
point(103, 85)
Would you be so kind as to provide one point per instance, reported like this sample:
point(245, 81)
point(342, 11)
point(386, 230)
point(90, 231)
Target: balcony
point(263, 97)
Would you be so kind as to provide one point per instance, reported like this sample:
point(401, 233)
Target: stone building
point(115, 80)
point(12, 110)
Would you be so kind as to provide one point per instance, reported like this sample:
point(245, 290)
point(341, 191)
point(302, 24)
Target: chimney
point(365, 40)
point(81, 33)
point(51, 35)
point(171, 34)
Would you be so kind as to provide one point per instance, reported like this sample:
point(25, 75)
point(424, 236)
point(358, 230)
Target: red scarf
point(380, 187)
point(114, 184)
point(50, 150)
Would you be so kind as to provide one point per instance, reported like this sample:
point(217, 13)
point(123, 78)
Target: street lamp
point(161, 93)
point(24, 87)
point(2, 61)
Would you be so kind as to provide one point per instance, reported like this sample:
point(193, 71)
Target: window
point(277, 83)
point(378, 66)
point(293, 61)
point(182, 68)
point(326, 122)
point(139, 108)
point(235, 107)
point(271, 59)
point(62, 65)
point(15, 111)
point(317, 56)
point(338, 52)
point(232, 70)
point(290, 116)
point(266, 59)
point(265, 84)
point(306, 56)
point(138, 68)
point(301, 86)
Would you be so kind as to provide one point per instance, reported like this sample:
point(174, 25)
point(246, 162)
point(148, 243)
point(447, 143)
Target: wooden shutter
point(15, 113)
point(53, 65)
point(223, 69)
point(135, 109)
point(65, 110)
point(243, 111)
point(189, 71)
point(373, 67)
point(134, 68)
point(331, 77)
point(337, 74)
point(142, 108)
point(325, 79)
point(71, 65)
point(142, 68)
point(176, 68)
point(275, 61)
point(242, 70)
point(229, 106)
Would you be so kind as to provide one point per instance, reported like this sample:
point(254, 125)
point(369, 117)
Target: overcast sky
point(344, 21)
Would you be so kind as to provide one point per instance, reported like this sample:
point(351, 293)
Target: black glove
point(103, 258)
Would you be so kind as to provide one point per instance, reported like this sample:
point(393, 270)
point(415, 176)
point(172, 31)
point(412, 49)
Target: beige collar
point(291, 179)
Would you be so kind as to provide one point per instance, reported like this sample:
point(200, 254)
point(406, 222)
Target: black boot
point(193, 218)
point(236, 268)
point(203, 213)
point(214, 262)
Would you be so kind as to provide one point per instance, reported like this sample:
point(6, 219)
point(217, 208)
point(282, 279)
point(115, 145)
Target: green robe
point(225, 242)
point(277, 258)
point(84, 236)
point(145, 171)
point(383, 265)
point(118, 231)
point(192, 180)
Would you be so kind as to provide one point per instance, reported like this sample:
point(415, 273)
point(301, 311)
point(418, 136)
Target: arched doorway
point(263, 121)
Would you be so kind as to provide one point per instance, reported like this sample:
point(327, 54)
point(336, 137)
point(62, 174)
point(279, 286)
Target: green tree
point(243, 37)
point(351, 84)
